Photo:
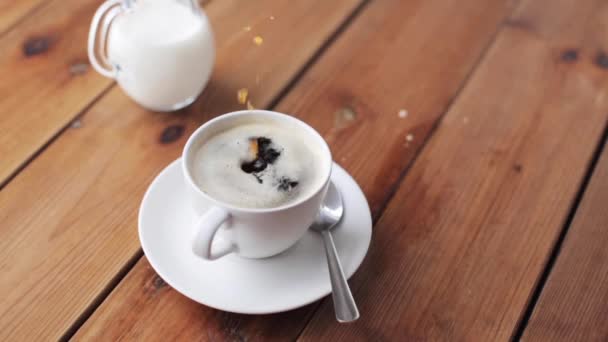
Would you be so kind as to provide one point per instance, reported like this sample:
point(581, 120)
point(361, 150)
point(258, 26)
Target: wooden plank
point(68, 219)
point(573, 305)
point(12, 12)
point(457, 253)
point(382, 63)
point(46, 80)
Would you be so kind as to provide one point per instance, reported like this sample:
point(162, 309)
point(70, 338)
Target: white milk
point(163, 53)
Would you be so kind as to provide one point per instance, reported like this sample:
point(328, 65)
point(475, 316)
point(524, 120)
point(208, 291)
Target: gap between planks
point(317, 55)
point(60, 131)
point(544, 276)
point(23, 17)
point(102, 296)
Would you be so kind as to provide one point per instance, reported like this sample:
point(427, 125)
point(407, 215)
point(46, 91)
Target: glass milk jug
point(160, 52)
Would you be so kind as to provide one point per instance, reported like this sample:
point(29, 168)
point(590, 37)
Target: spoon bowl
point(331, 211)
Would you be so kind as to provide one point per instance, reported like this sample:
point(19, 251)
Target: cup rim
point(255, 112)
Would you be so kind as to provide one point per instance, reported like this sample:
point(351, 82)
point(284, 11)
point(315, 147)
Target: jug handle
point(106, 12)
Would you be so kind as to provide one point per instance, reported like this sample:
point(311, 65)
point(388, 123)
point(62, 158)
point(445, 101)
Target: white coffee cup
point(251, 232)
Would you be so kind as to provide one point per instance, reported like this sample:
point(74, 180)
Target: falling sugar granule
point(402, 113)
point(249, 105)
point(409, 137)
point(241, 95)
point(247, 28)
point(257, 40)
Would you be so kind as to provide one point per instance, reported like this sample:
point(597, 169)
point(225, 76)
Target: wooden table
point(475, 128)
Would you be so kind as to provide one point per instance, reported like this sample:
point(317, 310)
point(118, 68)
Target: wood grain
point(382, 63)
point(573, 305)
point(46, 80)
point(457, 253)
point(69, 218)
point(11, 12)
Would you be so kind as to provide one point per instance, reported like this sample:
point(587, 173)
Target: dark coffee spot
point(254, 166)
point(171, 134)
point(263, 142)
point(270, 155)
point(569, 55)
point(36, 45)
point(266, 154)
point(601, 60)
point(517, 168)
point(286, 184)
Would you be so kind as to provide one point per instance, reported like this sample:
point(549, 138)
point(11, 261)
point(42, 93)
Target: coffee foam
point(295, 173)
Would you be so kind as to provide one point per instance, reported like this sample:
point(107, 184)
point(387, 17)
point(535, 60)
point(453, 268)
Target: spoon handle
point(344, 304)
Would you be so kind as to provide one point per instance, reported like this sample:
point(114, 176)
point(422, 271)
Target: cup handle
point(106, 12)
point(206, 228)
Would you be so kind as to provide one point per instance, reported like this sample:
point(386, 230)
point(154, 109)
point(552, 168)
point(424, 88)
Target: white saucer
point(284, 282)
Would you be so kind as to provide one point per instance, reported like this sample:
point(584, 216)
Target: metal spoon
point(330, 214)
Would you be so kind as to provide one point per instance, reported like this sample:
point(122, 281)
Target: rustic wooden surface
point(574, 303)
point(470, 192)
point(11, 12)
point(466, 236)
point(358, 120)
point(70, 251)
point(46, 79)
